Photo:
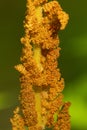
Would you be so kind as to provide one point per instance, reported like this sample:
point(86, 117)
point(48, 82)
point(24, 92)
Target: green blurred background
point(72, 62)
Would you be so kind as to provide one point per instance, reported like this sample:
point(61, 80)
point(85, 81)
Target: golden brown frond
point(41, 95)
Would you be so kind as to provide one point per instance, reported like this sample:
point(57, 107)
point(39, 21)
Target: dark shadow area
point(5, 115)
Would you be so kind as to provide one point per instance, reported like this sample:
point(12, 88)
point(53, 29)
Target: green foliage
point(48, 128)
point(55, 117)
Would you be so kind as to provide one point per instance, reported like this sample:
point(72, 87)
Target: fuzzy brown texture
point(41, 83)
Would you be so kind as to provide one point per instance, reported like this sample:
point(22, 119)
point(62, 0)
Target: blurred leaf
point(78, 45)
point(77, 94)
point(7, 99)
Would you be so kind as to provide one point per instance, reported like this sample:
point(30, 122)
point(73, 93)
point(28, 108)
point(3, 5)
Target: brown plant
point(41, 98)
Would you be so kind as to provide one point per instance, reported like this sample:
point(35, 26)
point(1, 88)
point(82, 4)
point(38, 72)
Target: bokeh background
point(72, 62)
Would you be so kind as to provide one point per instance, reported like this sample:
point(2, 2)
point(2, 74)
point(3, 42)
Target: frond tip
point(41, 98)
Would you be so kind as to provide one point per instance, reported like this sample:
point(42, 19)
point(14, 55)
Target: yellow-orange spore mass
point(41, 83)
